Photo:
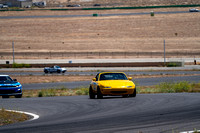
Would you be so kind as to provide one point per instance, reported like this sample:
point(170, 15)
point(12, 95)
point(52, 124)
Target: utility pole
point(164, 54)
point(13, 52)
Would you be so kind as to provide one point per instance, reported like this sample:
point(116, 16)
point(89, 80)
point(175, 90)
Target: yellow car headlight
point(129, 86)
point(107, 87)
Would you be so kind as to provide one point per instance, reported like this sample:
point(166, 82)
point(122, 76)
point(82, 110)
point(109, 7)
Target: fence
point(89, 55)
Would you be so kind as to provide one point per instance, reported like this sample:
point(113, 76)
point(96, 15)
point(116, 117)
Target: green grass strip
point(176, 87)
point(141, 7)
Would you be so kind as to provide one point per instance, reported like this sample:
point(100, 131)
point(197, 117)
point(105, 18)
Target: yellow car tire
point(91, 93)
point(124, 96)
point(134, 94)
point(99, 94)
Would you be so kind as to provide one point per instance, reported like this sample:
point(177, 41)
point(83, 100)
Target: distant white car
point(77, 5)
point(193, 10)
point(3, 6)
point(53, 69)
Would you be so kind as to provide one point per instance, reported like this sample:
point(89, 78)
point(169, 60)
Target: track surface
point(147, 113)
point(89, 15)
point(40, 73)
point(151, 113)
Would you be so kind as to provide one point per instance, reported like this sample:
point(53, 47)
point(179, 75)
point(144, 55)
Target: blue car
point(10, 87)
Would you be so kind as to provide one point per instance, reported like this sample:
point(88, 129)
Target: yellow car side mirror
point(130, 78)
point(94, 79)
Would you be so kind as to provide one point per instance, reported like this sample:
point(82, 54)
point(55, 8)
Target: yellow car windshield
point(113, 76)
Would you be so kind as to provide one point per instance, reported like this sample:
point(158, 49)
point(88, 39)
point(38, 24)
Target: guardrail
point(100, 55)
point(124, 64)
point(131, 64)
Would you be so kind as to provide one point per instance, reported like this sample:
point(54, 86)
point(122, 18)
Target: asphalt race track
point(89, 15)
point(147, 113)
point(41, 73)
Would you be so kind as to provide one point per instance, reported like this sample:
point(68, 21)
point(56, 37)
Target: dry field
point(104, 3)
point(140, 33)
point(121, 2)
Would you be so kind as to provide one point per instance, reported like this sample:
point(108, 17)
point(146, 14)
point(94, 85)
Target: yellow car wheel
point(134, 94)
point(91, 93)
point(124, 96)
point(99, 94)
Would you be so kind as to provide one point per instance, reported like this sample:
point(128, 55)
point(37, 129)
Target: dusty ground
point(121, 2)
point(47, 79)
point(100, 34)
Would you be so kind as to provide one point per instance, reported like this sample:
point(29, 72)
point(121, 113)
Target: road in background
point(90, 15)
point(89, 73)
point(131, 71)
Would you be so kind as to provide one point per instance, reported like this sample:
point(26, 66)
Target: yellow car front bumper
point(116, 91)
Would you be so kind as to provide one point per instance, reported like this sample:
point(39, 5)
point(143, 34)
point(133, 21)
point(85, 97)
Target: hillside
point(100, 37)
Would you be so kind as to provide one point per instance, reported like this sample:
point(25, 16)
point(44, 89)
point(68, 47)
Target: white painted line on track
point(190, 131)
point(27, 113)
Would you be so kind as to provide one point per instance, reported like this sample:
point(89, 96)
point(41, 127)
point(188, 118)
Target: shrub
point(40, 94)
point(152, 13)
point(85, 91)
point(47, 93)
point(15, 65)
point(182, 86)
point(78, 92)
point(82, 91)
point(175, 64)
point(172, 64)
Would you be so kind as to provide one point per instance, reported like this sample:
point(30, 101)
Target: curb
point(35, 116)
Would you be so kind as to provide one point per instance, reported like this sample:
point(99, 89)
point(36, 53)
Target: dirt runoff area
point(135, 33)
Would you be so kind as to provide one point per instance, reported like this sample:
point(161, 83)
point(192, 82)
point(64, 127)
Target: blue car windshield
point(57, 66)
point(113, 76)
point(5, 78)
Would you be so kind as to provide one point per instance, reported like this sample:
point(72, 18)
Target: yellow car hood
point(116, 83)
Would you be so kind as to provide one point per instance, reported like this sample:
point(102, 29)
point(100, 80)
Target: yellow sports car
point(111, 83)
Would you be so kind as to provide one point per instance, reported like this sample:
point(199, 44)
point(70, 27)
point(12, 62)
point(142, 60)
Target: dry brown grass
point(122, 2)
point(111, 34)
point(9, 117)
point(53, 78)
